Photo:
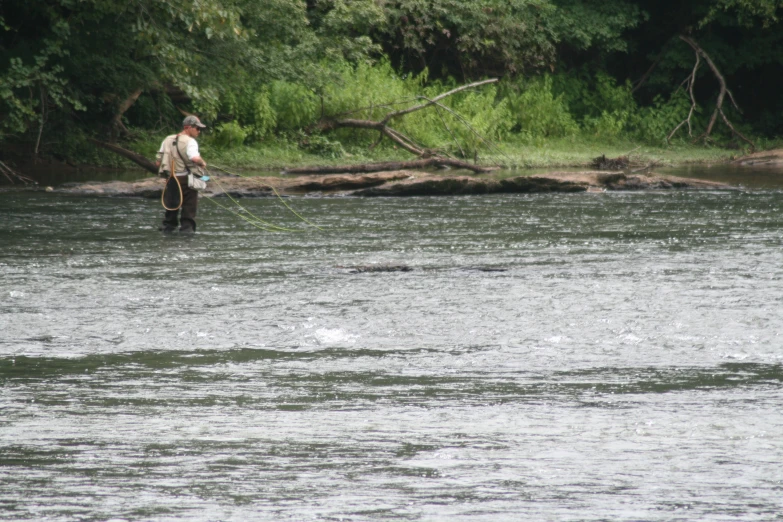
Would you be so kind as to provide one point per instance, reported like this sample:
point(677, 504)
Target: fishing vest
point(175, 155)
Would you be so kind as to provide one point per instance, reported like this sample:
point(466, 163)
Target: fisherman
point(179, 160)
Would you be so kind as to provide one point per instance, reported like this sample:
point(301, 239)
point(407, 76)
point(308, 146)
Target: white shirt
point(191, 151)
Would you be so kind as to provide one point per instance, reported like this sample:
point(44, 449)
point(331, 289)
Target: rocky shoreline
point(399, 183)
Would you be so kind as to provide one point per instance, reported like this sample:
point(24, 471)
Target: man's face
point(193, 132)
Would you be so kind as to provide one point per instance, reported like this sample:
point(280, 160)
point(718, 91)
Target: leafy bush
point(536, 111)
point(481, 119)
point(230, 134)
point(653, 124)
point(294, 105)
point(264, 116)
point(321, 146)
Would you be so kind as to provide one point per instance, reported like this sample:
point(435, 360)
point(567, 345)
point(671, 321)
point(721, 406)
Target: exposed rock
point(251, 186)
point(400, 183)
point(429, 185)
point(485, 269)
point(381, 267)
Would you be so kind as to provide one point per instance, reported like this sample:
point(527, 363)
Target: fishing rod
point(271, 227)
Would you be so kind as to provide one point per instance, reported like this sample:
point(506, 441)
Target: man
point(179, 155)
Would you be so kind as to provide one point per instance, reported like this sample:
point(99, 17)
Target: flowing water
point(611, 356)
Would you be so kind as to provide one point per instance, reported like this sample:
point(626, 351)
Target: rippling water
point(611, 356)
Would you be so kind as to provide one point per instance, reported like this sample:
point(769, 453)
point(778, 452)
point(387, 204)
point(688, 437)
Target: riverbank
point(521, 161)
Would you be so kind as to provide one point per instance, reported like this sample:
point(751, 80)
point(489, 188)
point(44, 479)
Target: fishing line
point(276, 193)
point(253, 222)
point(271, 227)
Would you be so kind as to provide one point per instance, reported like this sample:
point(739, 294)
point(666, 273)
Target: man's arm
point(194, 155)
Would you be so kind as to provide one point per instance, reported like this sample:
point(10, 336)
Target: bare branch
point(11, 175)
point(435, 99)
point(724, 90)
point(691, 81)
point(469, 126)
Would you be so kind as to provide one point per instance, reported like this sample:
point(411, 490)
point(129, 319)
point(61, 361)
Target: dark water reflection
point(549, 357)
point(756, 177)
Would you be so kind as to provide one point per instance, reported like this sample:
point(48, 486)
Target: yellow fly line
point(253, 219)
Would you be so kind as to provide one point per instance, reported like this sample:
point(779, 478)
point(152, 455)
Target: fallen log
point(397, 137)
point(391, 165)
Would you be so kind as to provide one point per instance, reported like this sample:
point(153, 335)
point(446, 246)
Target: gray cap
point(193, 121)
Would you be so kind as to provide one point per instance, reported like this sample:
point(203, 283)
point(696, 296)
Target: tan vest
point(176, 157)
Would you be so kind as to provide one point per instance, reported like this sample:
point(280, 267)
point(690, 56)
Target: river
point(591, 356)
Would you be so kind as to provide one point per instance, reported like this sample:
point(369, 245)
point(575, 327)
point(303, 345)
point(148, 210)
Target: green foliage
point(536, 111)
point(264, 116)
point(481, 36)
point(275, 68)
point(31, 83)
point(603, 108)
point(294, 105)
point(231, 134)
point(482, 117)
point(652, 124)
point(746, 12)
point(592, 24)
point(372, 92)
point(320, 145)
point(493, 37)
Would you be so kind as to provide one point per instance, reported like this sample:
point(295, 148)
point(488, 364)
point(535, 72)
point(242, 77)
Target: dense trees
point(98, 66)
point(97, 56)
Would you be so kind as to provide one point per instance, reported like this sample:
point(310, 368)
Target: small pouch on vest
point(196, 183)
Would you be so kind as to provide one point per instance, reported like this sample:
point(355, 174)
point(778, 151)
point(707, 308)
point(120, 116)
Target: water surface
point(612, 356)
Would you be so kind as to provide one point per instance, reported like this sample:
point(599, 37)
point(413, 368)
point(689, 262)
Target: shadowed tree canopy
point(97, 56)
point(86, 62)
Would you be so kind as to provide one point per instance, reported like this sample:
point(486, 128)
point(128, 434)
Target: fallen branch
point(11, 175)
point(392, 165)
point(395, 136)
point(138, 159)
point(127, 103)
point(437, 98)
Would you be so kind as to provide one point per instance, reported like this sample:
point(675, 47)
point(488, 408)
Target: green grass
point(560, 153)
point(575, 152)
point(567, 152)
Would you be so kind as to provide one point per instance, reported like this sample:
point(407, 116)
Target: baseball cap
point(193, 121)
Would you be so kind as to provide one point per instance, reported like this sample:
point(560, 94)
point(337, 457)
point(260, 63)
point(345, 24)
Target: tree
point(101, 55)
point(470, 39)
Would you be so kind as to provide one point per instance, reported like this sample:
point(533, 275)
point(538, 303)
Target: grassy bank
point(561, 153)
point(277, 154)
